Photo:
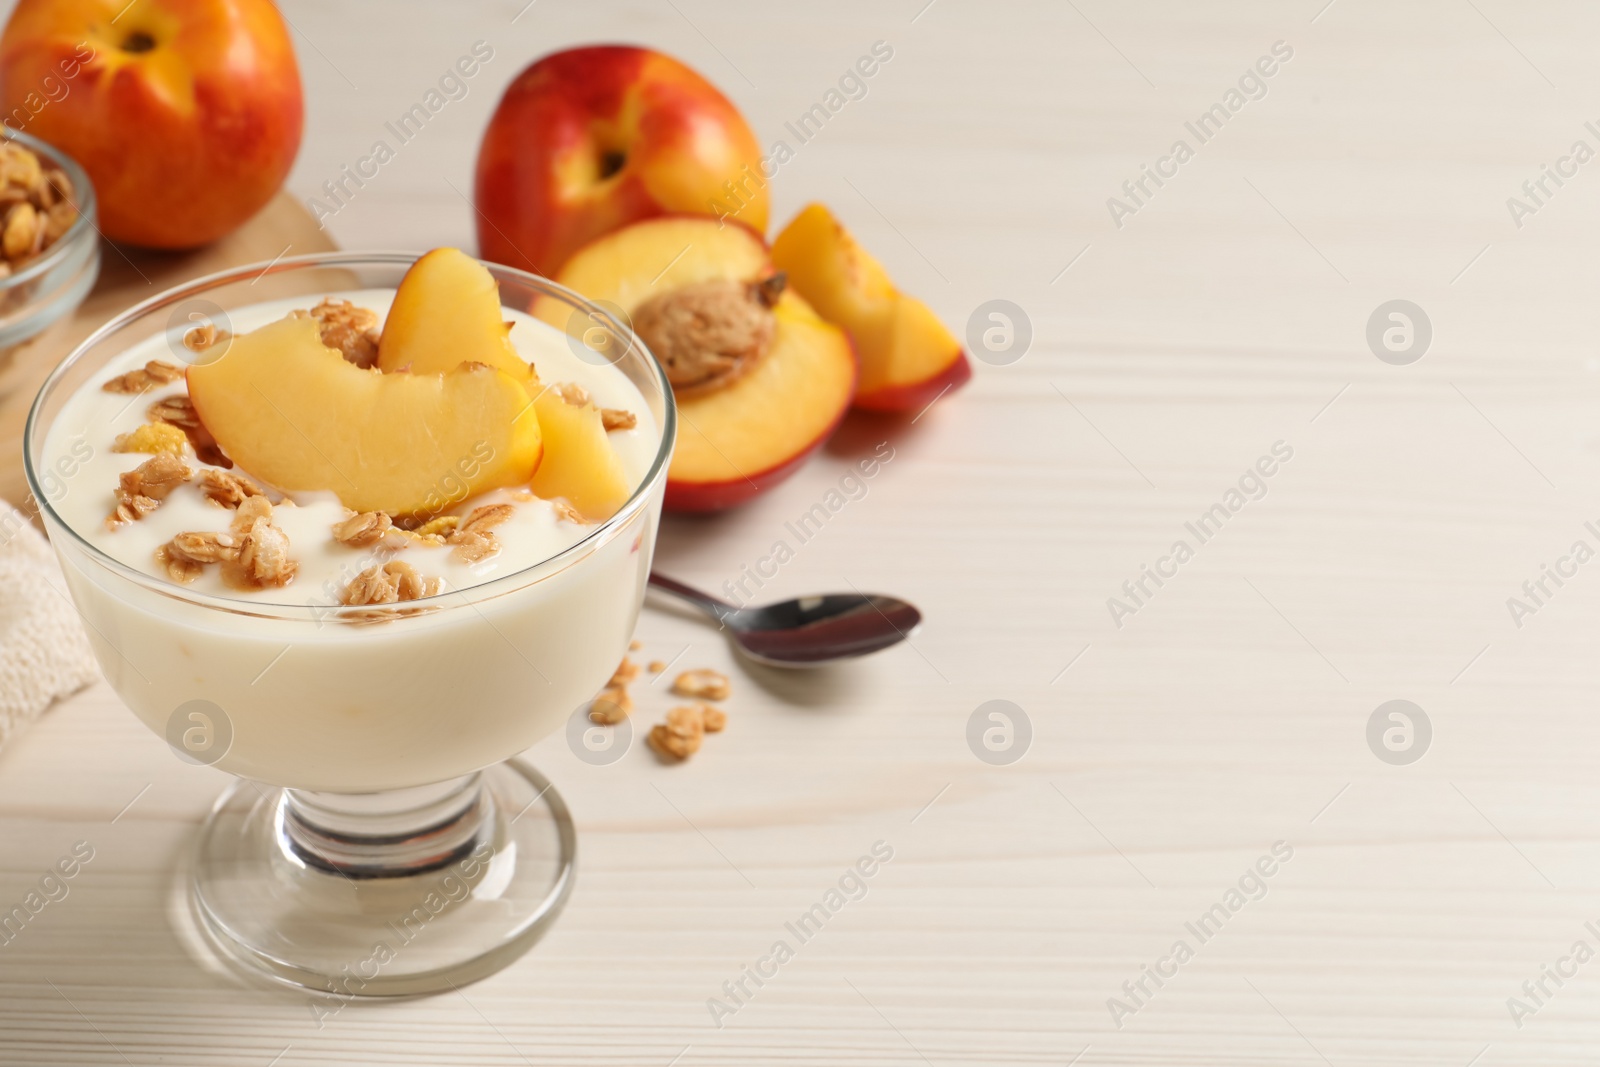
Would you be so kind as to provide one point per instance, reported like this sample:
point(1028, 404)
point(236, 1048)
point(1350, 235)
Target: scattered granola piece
point(474, 538)
point(611, 706)
point(485, 517)
point(263, 547)
point(142, 379)
point(372, 586)
point(250, 509)
point(203, 337)
point(411, 585)
point(475, 548)
point(713, 718)
point(181, 570)
point(680, 735)
point(353, 330)
point(565, 512)
point(657, 666)
point(360, 531)
point(438, 527)
point(141, 490)
point(153, 437)
point(617, 419)
point(388, 583)
point(188, 553)
point(702, 684)
point(223, 487)
point(634, 646)
point(626, 672)
point(571, 392)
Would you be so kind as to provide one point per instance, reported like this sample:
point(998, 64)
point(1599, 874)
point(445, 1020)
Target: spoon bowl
point(807, 631)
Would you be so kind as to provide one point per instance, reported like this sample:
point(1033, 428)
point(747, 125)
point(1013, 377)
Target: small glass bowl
point(51, 286)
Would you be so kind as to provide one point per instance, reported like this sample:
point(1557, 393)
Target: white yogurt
point(513, 647)
point(532, 535)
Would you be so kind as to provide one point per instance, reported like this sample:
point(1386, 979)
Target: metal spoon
point(807, 631)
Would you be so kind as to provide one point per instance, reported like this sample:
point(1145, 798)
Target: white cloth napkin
point(44, 652)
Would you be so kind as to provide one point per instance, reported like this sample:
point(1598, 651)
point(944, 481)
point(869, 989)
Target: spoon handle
point(711, 604)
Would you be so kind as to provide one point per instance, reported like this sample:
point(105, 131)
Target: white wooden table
point(1229, 312)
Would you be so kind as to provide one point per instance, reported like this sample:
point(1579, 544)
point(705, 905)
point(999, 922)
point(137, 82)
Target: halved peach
point(291, 411)
point(579, 462)
point(446, 312)
point(907, 355)
point(745, 430)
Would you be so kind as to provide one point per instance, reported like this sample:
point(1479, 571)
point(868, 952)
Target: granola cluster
point(227, 489)
point(141, 490)
point(370, 529)
point(37, 201)
point(143, 379)
point(203, 337)
point(679, 736)
point(685, 727)
point(352, 330)
point(253, 552)
point(388, 583)
point(617, 419)
point(473, 539)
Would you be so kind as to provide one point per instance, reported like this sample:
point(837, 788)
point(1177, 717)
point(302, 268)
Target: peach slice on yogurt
point(293, 412)
point(446, 312)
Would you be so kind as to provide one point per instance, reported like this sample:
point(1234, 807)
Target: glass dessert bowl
point(370, 650)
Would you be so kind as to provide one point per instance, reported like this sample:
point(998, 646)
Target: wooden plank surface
point(1230, 712)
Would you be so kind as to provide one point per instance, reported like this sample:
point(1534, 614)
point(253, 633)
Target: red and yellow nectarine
point(186, 114)
point(590, 139)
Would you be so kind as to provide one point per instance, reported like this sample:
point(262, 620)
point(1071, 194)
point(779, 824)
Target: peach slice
point(579, 462)
point(446, 312)
point(291, 411)
point(747, 431)
point(907, 356)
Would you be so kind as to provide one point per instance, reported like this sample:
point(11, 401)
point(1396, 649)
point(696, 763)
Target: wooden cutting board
point(127, 276)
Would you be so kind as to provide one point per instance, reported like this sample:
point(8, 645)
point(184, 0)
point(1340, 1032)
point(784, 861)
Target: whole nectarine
point(186, 113)
point(590, 139)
